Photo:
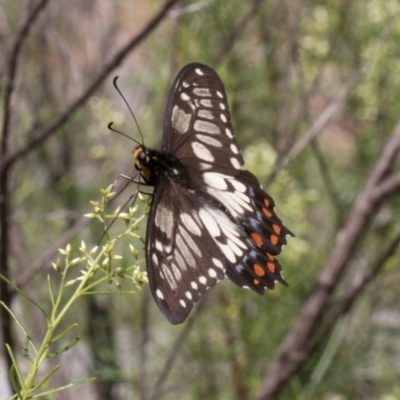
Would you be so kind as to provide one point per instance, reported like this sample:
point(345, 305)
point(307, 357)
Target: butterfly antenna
point(110, 127)
point(129, 108)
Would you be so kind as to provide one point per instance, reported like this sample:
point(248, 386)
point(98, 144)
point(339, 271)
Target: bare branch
point(48, 131)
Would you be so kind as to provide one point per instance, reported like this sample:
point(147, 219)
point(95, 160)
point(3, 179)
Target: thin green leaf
point(16, 385)
point(50, 290)
point(70, 385)
point(64, 349)
point(64, 332)
point(25, 349)
point(17, 289)
point(46, 377)
point(19, 323)
point(110, 293)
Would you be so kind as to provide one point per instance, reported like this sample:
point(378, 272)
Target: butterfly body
point(209, 217)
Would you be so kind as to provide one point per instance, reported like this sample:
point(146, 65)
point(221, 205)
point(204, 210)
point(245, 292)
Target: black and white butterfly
point(209, 217)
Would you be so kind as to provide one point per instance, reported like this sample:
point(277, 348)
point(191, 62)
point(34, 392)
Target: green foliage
point(80, 272)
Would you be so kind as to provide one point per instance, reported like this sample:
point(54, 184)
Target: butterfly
point(209, 217)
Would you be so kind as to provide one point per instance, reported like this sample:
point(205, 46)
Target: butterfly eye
point(142, 156)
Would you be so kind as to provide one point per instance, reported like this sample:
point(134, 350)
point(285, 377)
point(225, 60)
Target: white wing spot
point(182, 303)
point(159, 294)
point(180, 120)
point(209, 140)
point(190, 224)
point(177, 272)
point(228, 252)
point(202, 92)
point(170, 278)
point(217, 263)
point(209, 223)
point(222, 106)
point(228, 133)
point(194, 285)
point(185, 84)
point(234, 248)
point(219, 94)
point(181, 262)
point(205, 166)
point(192, 244)
point(202, 152)
point(212, 273)
point(202, 280)
point(234, 148)
point(185, 97)
point(235, 163)
point(155, 259)
point(242, 196)
point(187, 255)
point(205, 114)
point(238, 185)
point(207, 127)
point(189, 295)
point(199, 71)
point(224, 119)
point(206, 103)
point(215, 180)
point(159, 245)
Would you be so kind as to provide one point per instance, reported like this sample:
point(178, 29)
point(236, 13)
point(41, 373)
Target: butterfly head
point(142, 159)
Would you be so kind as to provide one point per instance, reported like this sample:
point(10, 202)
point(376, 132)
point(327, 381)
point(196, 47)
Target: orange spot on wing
point(256, 239)
point(266, 202)
point(276, 228)
point(271, 267)
point(274, 239)
point(258, 270)
point(267, 212)
point(270, 257)
point(256, 282)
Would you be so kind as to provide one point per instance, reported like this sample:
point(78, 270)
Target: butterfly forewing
point(198, 128)
point(209, 216)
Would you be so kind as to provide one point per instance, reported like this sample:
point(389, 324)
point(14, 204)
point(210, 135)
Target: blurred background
point(314, 93)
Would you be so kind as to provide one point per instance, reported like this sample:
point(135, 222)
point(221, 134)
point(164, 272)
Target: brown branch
point(343, 305)
point(48, 131)
point(291, 353)
point(11, 70)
